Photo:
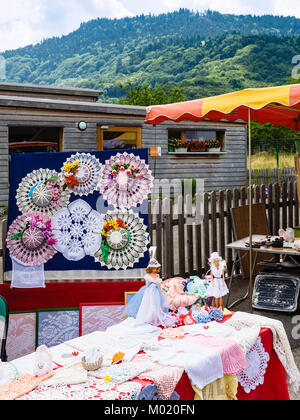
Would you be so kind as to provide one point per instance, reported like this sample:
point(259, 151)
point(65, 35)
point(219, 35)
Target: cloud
point(24, 22)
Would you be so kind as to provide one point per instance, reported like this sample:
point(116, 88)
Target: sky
point(24, 22)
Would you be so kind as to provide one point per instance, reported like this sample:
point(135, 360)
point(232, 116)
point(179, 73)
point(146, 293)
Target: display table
point(273, 386)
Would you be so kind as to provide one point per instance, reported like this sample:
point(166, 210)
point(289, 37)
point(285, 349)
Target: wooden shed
point(48, 118)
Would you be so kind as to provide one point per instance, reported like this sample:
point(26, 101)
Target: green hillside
point(207, 54)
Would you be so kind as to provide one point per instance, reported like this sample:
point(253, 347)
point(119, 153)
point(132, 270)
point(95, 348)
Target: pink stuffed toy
point(175, 294)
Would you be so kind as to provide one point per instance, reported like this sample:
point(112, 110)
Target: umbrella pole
point(250, 214)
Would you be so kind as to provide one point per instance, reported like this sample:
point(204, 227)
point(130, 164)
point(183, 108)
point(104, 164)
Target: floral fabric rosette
point(30, 239)
point(42, 191)
point(126, 180)
point(82, 172)
point(124, 240)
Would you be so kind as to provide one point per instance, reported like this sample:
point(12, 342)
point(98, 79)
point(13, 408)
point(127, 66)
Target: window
point(28, 139)
point(196, 141)
point(119, 138)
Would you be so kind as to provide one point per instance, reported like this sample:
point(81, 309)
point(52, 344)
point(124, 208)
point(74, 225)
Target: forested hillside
point(206, 53)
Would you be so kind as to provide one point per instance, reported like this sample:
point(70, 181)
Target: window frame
point(136, 129)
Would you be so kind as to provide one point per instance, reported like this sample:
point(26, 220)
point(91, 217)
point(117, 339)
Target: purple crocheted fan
point(29, 239)
point(126, 180)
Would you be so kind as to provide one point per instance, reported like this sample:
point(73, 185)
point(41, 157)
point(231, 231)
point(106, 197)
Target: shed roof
point(17, 89)
point(70, 105)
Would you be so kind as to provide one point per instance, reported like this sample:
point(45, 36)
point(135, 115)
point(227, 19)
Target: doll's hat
point(214, 256)
point(153, 263)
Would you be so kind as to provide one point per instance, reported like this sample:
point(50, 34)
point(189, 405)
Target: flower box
point(197, 146)
point(214, 149)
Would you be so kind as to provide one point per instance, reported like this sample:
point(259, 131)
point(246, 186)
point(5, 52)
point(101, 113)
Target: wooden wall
point(223, 171)
point(219, 171)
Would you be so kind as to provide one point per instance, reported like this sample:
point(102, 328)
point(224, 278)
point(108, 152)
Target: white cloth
point(122, 372)
point(72, 374)
point(25, 277)
point(203, 365)
point(280, 343)
point(211, 329)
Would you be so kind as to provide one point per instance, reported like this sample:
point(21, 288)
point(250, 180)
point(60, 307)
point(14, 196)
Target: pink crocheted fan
point(29, 239)
point(126, 180)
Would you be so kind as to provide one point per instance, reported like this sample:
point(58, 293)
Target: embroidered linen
point(280, 343)
point(77, 229)
point(257, 360)
point(93, 389)
point(203, 365)
point(72, 374)
point(122, 372)
point(27, 277)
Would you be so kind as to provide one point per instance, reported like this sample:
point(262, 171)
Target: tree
point(146, 95)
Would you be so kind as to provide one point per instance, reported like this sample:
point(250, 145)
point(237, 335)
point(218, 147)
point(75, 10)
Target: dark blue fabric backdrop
point(22, 164)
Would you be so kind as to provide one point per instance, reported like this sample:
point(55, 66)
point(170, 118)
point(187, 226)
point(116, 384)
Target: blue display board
point(23, 164)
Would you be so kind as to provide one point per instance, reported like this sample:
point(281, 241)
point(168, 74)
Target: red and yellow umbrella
point(278, 105)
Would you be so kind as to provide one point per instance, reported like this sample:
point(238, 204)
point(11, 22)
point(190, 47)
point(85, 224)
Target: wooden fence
point(270, 176)
point(184, 248)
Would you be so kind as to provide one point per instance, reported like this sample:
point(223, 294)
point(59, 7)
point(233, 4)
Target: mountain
point(206, 53)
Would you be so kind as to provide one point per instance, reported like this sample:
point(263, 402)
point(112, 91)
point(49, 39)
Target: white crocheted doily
point(125, 250)
point(77, 229)
point(35, 192)
point(88, 174)
point(124, 190)
point(257, 360)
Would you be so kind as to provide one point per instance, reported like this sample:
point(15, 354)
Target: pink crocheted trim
point(21, 386)
point(19, 251)
point(165, 378)
point(233, 358)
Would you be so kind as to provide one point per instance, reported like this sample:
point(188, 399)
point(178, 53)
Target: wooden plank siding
point(219, 171)
point(184, 249)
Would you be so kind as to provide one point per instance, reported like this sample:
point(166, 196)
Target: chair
point(4, 318)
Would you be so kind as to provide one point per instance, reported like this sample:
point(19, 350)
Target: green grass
point(266, 160)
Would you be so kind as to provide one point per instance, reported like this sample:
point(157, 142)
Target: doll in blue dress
point(149, 304)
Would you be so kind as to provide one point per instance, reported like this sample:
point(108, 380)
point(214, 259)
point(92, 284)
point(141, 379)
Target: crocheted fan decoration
point(82, 172)
point(77, 229)
point(124, 240)
point(30, 239)
point(42, 191)
point(126, 180)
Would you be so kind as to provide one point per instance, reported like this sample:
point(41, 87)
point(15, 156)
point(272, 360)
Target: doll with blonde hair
point(217, 287)
point(149, 304)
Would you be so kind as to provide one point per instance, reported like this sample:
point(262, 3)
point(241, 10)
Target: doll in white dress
point(149, 305)
point(217, 287)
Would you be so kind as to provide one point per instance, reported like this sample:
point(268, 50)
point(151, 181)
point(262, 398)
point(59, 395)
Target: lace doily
point(8, 372)
point(94, 388)
point(126, 180)
point(257, 360)
point(42, 191)
point(77, 229)
point(281, 343)
point(124, 249)
point(31, 245)
point(150, 393)
point(88, 174)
